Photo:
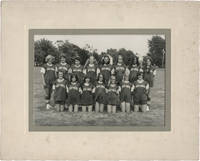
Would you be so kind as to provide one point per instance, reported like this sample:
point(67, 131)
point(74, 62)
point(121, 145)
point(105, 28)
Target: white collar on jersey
point(63, 63)
point(140, 81)
point(60, 80)
point(49, 64)
point(73, 83)
point(120, 64)
point(91, 65)
point(86, 84)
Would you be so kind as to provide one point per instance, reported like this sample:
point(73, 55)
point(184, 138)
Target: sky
point(136, 43)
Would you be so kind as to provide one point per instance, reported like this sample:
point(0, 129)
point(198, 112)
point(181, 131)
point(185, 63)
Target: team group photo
point(99, 80)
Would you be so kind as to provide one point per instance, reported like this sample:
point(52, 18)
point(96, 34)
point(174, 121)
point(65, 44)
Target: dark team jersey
point(49, 73)
point(106, 71)
point(113, 88)
point(64, 68)
point(119, 72)
point(91, 71)
point(78, 71)
point(73, 88)
point(133, 73)
point(149, 74)
point(126, 87)
point(140, 87)
point(60, 90)
point(100, 88)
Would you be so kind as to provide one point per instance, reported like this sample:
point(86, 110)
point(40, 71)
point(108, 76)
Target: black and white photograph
point(99, 80)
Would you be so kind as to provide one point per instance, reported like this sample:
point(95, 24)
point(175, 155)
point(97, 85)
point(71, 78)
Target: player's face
point(140, 77)
point(148, 62)
point(60, 75)
point(106, 59)
point(77, 62)
point(101, 77)
point(73, 79)
point(120, 59)
point(50, 61)
point(62, 59)
point(87, 80)
point(91, 59)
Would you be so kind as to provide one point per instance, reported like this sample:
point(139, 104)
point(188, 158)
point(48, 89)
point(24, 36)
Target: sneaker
point(148, 109)
point(48, 106)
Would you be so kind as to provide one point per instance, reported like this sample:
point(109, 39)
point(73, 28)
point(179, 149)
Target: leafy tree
point(42, 48)
point(157, 50)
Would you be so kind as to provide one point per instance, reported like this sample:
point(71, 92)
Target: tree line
point(44, 47)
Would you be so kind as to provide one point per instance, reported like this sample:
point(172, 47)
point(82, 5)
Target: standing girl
point(112, 95)
point(91, 69)
point(134, 69)
point(125, 95)
point(77, 69)
point(140, 91)
point(100, 92)
point(106, 69)
point(119, 70)
point(149, 74)
point(63, 66)
point(48, 76)
point(87, 95)
point(74, 92)
point(60, 91)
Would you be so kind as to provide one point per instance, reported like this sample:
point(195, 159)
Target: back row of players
point(96, 85)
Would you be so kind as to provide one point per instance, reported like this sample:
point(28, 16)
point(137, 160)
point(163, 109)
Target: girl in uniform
point(87, 95)
point(60, 91)
point(125, 95)
point(48, 76)
point(134, 69)
point(77, 69)
point(91, 69)
point(106, 69)
point(74, 92)
point(63, 66)
point(100, 92)
point(112, 95)
point(149, 74)
point(140, 90)
point(119, 70)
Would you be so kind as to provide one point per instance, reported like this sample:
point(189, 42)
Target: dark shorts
point(125, 97)
point(100, 98)
point(87, 99)
point(140, 99)
point(60, 102)
point(73, 99)
point(113, 99)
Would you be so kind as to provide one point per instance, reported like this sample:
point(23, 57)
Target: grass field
point(154, 117)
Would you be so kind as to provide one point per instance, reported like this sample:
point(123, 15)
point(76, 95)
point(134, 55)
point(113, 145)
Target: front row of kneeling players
point(105, 93)
point(100, 95)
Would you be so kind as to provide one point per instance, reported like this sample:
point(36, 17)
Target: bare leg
point(101, 107)
point(75, 108)
point(90, 108)
point(123, 107)
point(114, 109)
point(57, 107)
point(144, 108)
point(61, 108)
point(47, 104)
point(136, 108)
point(83, 108)
point(128, 107)
point(109, 108)
point(97, 107)
point(70, 108)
